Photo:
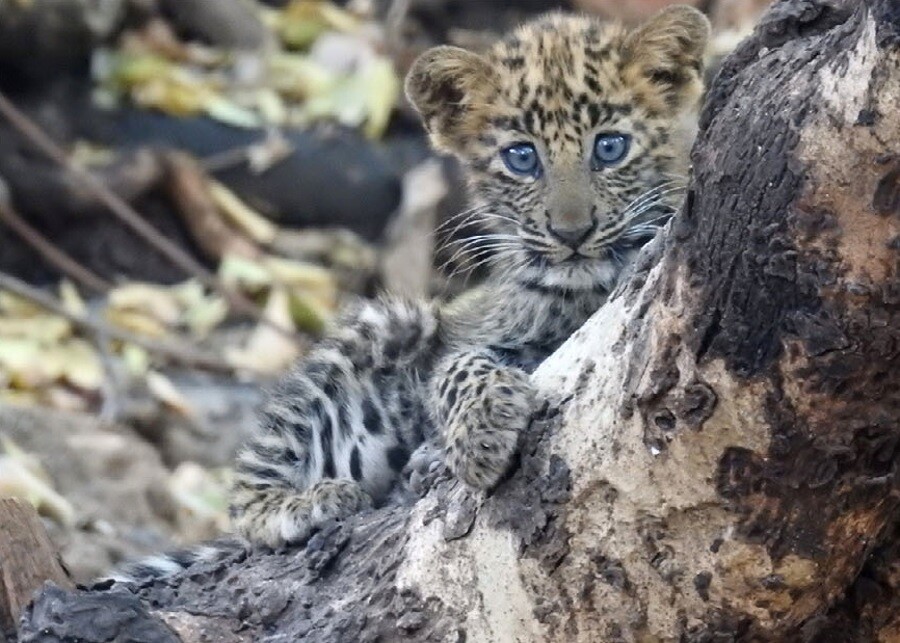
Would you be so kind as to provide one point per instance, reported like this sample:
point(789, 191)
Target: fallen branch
point(54, 256)
point(179, 352)
point(188, 186)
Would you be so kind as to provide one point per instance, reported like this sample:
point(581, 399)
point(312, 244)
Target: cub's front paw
point(484, 432)
point(425, 467)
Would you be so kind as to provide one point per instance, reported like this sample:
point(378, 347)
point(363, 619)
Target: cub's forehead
point(562, 51)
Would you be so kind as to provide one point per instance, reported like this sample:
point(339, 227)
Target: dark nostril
point(576, 235)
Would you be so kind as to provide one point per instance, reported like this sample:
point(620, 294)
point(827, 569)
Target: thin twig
point(54, 256)
point(129, 215)
point(395, 19)
point(179, 352)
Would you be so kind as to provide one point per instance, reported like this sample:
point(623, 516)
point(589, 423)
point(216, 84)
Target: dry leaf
point(136, 359)
point(201, 493)
point(257, 227)
point(165, 391)
point(268, 350)
point(151, 300)
point(44, 329)
point(23, 476)
point(136, 322)
point(71, 299)
point(81, 366)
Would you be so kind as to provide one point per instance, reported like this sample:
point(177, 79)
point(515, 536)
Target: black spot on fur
point(372, 418)
point(328, 471)
point(355, 465)
point(326, 438)
point(259, 471)
point(451, 398)
point(397, 457)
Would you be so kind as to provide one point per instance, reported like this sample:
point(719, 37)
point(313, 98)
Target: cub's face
point(573, 134)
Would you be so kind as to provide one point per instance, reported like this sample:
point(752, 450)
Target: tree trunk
point(719, 458)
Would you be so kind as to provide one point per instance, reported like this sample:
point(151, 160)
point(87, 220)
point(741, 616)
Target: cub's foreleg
point(481, 405)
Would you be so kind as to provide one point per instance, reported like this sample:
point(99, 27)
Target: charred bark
point(718, 460)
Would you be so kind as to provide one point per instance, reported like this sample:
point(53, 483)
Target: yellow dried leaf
point(302, 21)
point(136, 359)
point(271, 106)
point(165, 391)
point(81, 366)
point(382, 88)
point(298, 77)
point(202, 493)
point(205, 315)
point(268, 350)
point(44, 329)
point(244, 274)
point(200, 312)
point(16, 306)
point(23, 476)
point(188, 293)
point(124, 71)
point(136, 322)
point(154, 301)
point(256, 226)
point(71, 298)
point(177, 99)
point(308, 313)
point(300, 274)
point(230, 113)
point(25, 365)
point(367, 97)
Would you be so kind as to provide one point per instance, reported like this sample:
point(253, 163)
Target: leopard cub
point(573, 134)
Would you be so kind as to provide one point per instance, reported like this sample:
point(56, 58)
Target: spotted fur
point(338, 432)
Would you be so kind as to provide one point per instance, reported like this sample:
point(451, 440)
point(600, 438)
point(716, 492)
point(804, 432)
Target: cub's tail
point(161, 566)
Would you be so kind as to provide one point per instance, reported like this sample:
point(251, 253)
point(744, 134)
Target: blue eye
point(522, 158)
point(610, 149)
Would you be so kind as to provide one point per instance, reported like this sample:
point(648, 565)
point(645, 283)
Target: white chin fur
point(583, 275)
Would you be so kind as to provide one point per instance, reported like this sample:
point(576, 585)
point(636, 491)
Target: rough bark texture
point(718, 460)
point(27, 559)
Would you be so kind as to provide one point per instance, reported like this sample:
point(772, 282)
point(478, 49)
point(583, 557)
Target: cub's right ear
point(451, 87)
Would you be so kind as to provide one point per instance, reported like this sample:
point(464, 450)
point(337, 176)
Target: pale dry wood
point(188, 186)
point(27, 560)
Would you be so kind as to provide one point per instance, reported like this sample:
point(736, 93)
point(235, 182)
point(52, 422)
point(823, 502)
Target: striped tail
point(162, 566)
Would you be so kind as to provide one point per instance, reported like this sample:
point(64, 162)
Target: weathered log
point(719, 457)
point(27, 560)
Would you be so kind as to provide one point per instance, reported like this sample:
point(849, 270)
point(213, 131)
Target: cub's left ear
point(664, 57)
point(451, 88)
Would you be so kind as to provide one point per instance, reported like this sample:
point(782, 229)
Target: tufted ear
point(451, 87)
point(665, 57)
